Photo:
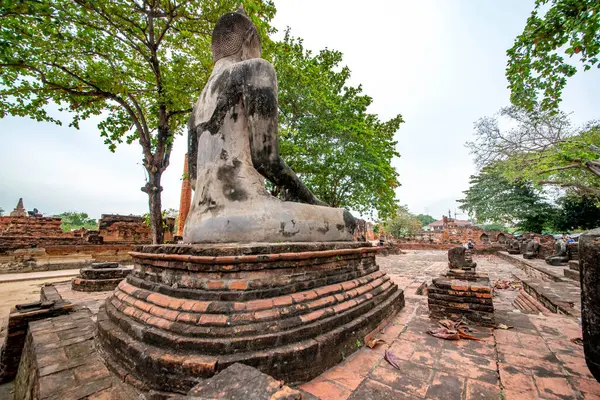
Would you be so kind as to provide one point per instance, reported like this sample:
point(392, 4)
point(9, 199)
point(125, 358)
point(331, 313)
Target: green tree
point(540, 147)
point(342, 152)
point(536, 65)
point(403, 223)
point(577, 213)
point(425, 219)
point(76, 220)
point(493, 197)
point(138, 65)
point(494, 226)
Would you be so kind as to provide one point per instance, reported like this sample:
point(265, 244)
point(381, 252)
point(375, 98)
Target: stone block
point(589, 260)
point(241, 382)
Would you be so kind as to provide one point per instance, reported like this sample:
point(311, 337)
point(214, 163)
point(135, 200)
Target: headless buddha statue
point(233, 148)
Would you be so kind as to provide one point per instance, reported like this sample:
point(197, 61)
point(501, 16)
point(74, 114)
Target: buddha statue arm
point(260, 101)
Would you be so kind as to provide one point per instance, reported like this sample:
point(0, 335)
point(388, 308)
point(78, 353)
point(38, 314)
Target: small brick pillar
point(589, 262)
point(186, 198)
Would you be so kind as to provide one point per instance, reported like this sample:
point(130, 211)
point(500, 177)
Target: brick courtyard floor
point(535, 359)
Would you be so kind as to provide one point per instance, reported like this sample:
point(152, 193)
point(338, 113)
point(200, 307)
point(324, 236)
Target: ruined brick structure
point(461, 291)
point(99, 277)
point(50, 305)
point(19, 210)
point(451, 234)
point(291, 310)
point(546, 242)
point(47, 227)
point(129, 229)
point(364, 231)
point(185, 200)
point(30, 243)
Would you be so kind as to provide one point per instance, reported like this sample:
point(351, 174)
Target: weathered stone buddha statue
point(531, 250)
point(233, 148)
point(513, 247)
point(560, 256)
point(276, 285)
point(460, 258)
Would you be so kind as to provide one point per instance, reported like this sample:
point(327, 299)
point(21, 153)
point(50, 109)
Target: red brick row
point(194, 312)
point(258, 258)
point(173, 334)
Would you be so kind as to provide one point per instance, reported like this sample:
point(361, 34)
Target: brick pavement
point(534, 360)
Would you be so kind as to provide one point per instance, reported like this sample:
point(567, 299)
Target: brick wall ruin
point(130, 229)
point(452, 235)
point(34, 243)
point(32, 227)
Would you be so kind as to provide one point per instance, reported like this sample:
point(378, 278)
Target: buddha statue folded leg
point(272, 220)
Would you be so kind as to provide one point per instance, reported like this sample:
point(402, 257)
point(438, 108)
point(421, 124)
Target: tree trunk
point(153, 189)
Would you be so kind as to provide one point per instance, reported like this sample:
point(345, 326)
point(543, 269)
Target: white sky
point(438, 63)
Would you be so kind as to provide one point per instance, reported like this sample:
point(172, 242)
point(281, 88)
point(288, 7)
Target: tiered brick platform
point(460, 293)
point(99, 277)
point(291, 310)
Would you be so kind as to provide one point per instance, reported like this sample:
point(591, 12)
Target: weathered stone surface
point(234, 123)
point(459, 294)
point(560, 257)
point(241, 382)
point(99, 277)
point(291, 315)
point(129, 228)
point(19, 210)
point(103, 265)
point(60, 362)
point(573, 250)
point(589, 259)
point(50, 305)
point(531, 249)
point(513, 247)
point(457, 259)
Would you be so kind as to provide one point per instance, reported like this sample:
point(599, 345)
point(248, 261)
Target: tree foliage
point(494, 226)
point(137, 64)
point(342, 152)
point(536, 67)
point(540, 147)
point(425, 219)
point(403, 223)
point(577, 213)
point(71, 220)
point(492, 197)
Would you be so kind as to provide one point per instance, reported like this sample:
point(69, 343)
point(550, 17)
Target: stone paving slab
point(28, 276)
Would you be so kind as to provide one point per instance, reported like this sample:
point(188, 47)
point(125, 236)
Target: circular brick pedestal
point(99, 277)
point(291, 310)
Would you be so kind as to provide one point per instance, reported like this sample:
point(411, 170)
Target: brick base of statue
point(461, 293)
point(99, 277)
point(292, 310)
